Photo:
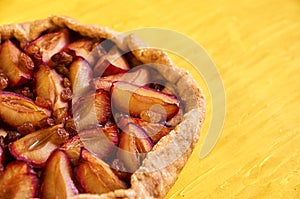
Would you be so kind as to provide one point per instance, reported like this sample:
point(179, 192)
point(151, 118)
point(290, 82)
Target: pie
point(88, 112)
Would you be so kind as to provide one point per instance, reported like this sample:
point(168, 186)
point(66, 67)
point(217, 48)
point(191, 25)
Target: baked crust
point(163, 164)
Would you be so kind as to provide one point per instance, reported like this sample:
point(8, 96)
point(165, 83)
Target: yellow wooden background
point(256, 47)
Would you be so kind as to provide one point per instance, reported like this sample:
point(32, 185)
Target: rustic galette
point(87, 112)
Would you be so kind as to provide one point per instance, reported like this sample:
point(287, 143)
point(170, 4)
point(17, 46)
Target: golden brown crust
point(162, 165)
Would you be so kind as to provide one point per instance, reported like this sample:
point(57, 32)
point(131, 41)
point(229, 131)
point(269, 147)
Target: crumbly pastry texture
point(163, 164)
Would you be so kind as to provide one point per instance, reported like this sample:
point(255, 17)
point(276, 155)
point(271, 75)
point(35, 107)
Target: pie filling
point(77, 116)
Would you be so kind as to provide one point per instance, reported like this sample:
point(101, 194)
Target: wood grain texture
point(255, 45)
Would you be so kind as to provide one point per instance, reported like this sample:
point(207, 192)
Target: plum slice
point(95, 176)
point(43, 48)
point(73, 148)
point(80, 75)
point(98, 140)
point(112, 63)
point(138, 77)
point(48, 86)
point(88, 49)
point(18, 181)
point(16, 65)
point(143, 102)
point(92, 109)
point(2, 159)
point(58, 177)
point(35, 148)
point(154, 130)
point(15, 110)
point(134, 145)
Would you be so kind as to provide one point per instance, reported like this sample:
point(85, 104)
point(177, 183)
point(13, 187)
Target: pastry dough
point(162, 165)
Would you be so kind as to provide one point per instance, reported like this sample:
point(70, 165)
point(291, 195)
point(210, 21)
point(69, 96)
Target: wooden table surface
point(256, 48)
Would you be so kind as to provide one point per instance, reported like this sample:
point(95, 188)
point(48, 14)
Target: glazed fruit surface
point(77, 113)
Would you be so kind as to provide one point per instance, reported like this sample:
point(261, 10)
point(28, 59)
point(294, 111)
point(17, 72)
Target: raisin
point(36, 55)
point(63, 134)
point(61, 69)
point(26, 128)
point(3, 81)
point(71, 128)
point(11, 137)
point(66, 82)
point(62, 58)
point(25, 63)
point(2, 142)
point(66, 94)
point(46, 123)
point(60, 115)
point(25, 91)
